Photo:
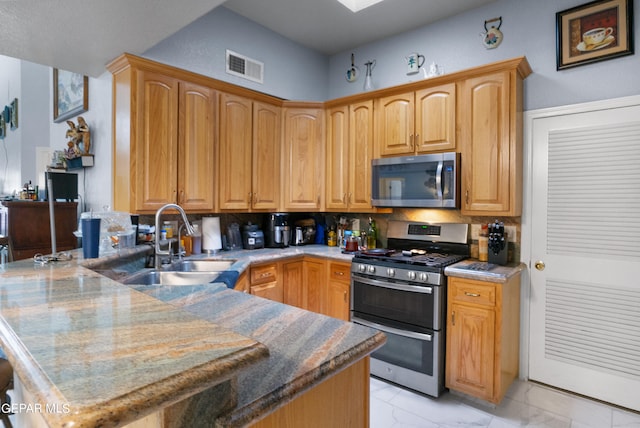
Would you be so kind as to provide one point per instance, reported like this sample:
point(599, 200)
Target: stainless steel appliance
point(252, 237)
point(277, 231)
point(402, 292)
point(416, 181)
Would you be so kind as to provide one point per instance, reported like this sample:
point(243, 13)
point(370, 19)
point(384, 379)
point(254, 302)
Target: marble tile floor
point(526, 404)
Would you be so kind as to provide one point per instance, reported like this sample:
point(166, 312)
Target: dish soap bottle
point(372, 234)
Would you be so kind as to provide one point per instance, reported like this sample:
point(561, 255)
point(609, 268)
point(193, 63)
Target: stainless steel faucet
point(158, 251)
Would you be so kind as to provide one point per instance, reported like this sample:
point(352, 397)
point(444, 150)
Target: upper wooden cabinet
point(249, 154)
point(303, 158)
point(417, 122)
point(164, 139)
point(349, 153)
point(490, 127)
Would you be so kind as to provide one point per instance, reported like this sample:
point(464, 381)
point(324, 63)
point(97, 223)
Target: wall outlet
point(511, 233)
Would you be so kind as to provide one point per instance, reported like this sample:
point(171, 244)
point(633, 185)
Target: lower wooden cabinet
point(310, 283)
point(483, 334)
point(338, 290)
point(264, 280)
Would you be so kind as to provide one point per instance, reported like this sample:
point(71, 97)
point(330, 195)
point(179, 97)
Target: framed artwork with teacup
point(595, 31)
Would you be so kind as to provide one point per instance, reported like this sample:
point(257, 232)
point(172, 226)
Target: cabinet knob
point(540, 265)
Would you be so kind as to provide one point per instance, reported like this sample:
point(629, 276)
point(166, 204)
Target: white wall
point(529, 30)
point(10, 152)
point(290, 71)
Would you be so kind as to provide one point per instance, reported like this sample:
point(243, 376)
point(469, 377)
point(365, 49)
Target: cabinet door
point(395, 124)
point(293, 283)
point(315, 280)
point(303, 155)
point(234, 163)
point(487, 147)
point(436, 119)
point(196, 184)
point(471, 350)
point(338, 290)
point(337, 157)
point(360, 155)
point(155, 163)
point(270, 290)
point(267, 123)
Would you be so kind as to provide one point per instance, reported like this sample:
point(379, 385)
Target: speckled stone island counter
point(108, 354)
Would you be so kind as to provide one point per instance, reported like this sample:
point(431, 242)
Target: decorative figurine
point(78, 136)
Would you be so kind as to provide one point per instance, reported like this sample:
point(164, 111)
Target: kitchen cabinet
point(29, 231)
point(293, 283)
point(242, 284)
point(164, 140)
point(264, 280)
point(338, 290)
point(349, 154)
point(482, 336)
point(249, 154)
point(490, 114)
point(303, 162)
point(417, 122)
point(315, 282)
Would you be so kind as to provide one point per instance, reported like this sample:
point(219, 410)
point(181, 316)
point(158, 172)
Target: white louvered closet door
point(585, 304)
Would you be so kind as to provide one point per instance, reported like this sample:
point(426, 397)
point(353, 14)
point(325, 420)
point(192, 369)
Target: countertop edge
point(496, 273)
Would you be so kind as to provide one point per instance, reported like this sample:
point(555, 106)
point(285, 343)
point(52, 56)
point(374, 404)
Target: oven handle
point(405, 333)
point(409, 288)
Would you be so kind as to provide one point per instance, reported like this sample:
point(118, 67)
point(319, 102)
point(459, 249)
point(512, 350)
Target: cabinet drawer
point(263, 274)
point(340, 272)
point(480, 293)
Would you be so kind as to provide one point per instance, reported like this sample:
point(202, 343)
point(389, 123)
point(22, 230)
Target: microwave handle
point(439, 179)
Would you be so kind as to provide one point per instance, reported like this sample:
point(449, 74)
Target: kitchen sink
point(162, 277)
point(201, 265)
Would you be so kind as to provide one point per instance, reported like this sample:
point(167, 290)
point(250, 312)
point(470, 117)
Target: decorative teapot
point(492, 37)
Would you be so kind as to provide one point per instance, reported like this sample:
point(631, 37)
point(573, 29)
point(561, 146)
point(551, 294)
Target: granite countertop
point(483, 271)
point(77, 337)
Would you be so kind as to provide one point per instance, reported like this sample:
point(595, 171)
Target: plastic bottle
point(372, 234)
point(196, 240)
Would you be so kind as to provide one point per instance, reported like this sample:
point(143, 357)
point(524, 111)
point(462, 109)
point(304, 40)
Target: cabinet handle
point(466, 196)
point(255, 198)
point(344, 198)
point(338, 273)
point(466, 293)
point(349, 198)
point(453, 317)
point(265, 275)
point(345, 296)
point(411, 141)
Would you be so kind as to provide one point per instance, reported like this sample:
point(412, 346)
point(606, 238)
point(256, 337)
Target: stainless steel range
point(402, 292)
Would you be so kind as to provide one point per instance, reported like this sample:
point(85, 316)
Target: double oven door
point(411, 315)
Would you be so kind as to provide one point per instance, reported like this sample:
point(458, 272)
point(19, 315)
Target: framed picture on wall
point(593, 32)
point(70, 94)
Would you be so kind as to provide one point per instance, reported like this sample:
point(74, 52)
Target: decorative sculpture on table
point(79, 139)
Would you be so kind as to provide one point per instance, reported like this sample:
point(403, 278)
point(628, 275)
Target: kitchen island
point(201, 355)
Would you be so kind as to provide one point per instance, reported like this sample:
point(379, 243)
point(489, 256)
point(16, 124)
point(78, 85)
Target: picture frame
point(70, 94)
point(593, 32)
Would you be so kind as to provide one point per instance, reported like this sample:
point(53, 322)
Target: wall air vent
point(242, 66)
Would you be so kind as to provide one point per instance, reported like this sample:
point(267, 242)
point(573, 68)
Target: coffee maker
point(277, 232)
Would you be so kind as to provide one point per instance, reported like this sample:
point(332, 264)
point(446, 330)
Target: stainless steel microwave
point(423, 181)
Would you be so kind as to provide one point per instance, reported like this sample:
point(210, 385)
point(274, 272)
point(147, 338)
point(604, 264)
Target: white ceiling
point(84, 35)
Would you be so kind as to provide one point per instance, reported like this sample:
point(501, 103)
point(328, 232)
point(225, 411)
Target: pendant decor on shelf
point(492, 36)
point(368, 82)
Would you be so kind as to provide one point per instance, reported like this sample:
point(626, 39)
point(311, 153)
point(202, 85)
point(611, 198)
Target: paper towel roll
point(211, 239)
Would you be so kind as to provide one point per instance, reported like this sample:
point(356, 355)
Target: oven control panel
point(397, 274)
